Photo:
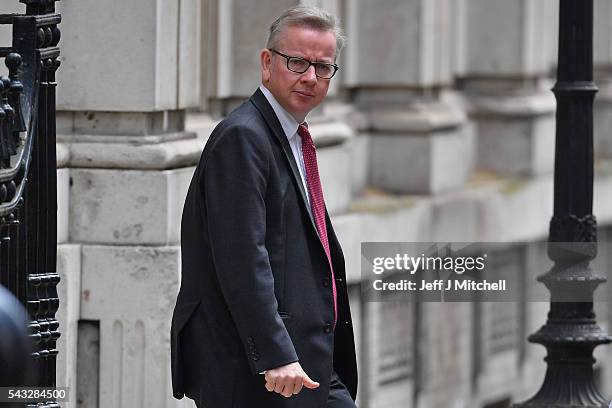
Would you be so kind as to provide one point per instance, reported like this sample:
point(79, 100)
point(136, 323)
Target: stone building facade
point(439, 127)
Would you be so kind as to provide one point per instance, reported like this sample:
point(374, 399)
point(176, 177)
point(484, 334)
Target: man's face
point(297, 93)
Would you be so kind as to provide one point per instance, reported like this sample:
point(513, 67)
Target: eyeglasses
point(300, 65)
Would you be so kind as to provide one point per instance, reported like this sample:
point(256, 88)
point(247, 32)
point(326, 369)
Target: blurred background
point(439, 126)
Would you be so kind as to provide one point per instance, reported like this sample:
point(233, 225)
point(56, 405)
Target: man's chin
point(303, 109)
point(299, 112)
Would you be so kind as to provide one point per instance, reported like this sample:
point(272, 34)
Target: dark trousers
point(339, 396)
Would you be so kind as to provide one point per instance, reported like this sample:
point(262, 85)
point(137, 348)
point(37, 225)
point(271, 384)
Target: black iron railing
point(28, 192)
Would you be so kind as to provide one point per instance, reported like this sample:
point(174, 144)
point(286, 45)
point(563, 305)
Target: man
point(262, 318)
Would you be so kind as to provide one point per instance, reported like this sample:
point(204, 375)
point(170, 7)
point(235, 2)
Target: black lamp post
point(571, 331)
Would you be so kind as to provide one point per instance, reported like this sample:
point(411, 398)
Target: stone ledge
point(535, 104)
point(167, 151)
point(123, 139)
point(326, 129)
point(330, 133)
point(143, 154)
point(416, 118)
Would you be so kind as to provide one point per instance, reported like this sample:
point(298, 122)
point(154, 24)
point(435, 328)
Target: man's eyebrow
point(331, 62)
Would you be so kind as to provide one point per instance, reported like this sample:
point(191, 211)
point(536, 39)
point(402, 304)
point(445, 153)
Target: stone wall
point(439, 127)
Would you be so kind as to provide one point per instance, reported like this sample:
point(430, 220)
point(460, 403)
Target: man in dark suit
point(262, 318)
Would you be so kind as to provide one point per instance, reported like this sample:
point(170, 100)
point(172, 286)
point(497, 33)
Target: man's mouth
point(307, 94)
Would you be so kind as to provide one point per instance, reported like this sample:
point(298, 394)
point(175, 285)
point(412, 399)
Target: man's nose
point(309, 75)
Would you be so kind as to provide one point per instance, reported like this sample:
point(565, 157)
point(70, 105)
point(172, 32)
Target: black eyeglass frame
point(290, 57)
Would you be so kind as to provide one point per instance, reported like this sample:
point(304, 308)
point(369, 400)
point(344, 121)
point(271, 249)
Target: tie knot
point(303, 132)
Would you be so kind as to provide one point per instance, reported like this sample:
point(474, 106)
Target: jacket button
point(327, 328)
point(326, 282)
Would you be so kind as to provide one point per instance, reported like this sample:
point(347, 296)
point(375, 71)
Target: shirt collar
point(288, 122)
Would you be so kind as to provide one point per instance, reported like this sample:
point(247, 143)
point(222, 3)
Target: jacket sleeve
point(235, 180)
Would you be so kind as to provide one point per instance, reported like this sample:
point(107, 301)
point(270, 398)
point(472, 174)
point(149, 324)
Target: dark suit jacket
point(255, 291)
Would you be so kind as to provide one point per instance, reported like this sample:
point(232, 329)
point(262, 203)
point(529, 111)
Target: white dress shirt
point(290, 127)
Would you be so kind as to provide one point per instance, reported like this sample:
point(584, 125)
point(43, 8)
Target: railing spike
point(5, 153)
point(10, 115)
point(13, 63)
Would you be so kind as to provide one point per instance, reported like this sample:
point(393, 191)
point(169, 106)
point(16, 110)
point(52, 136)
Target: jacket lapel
point(261, 103)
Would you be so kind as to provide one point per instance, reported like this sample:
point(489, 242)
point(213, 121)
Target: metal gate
point(28, 196)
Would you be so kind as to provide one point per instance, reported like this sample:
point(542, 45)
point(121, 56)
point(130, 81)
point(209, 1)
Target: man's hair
point(308, 17)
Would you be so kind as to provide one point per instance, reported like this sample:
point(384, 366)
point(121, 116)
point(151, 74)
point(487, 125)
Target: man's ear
point(265, 57)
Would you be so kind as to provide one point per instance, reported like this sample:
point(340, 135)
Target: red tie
point(317, 203)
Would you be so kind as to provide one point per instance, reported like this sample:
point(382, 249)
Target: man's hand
point(288, 380)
